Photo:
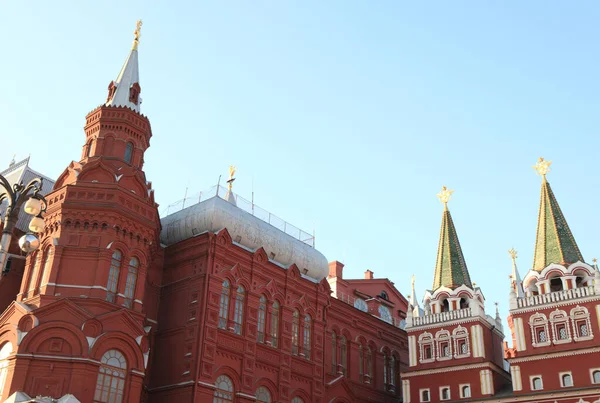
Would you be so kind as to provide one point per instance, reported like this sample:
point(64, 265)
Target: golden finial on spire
point(513, 254)
point(412, 281)
point(136, 34)
point(232, 170)
point(444, 196)
point(542, 167)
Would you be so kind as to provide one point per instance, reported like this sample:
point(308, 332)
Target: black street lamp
point(35, 206)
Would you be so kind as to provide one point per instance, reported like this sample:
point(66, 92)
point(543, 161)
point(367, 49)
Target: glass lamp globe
point(33, 206)
point(29, 242)
point(37, 224)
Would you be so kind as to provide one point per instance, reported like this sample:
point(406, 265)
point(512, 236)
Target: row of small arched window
point(113, 278)
point(339, 361)
point(128, 151)
point(231, 317)
point(224, 392)
point(36, 278)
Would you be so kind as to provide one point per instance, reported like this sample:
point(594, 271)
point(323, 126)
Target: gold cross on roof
point(137, 33)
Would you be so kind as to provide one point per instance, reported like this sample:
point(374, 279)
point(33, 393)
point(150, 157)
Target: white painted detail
point(406, 391)
point(138, 340)
point(412, 351)
point(515, 374)
point(128, 76)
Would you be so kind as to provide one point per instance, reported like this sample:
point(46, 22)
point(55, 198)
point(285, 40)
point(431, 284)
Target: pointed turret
point(554, 241)
point(125, 90)
point(450, 268)
point(516, 283)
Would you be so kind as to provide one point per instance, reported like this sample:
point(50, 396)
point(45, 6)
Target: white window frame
point(449, 392)
point(421, 394)
point(577, 314)
point(592, 370)
point(560, 379)
point(535, 321)
point(460, 390)
point(461, 334)
point(531, 378)
point(426, 338)
point(559, 317)
point(443, 336)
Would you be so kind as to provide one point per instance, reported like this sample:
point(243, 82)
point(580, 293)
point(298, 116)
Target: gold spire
point(137, 34)
point(444, 196)
point(542, 167)
point(232, 170)
point(412, 280)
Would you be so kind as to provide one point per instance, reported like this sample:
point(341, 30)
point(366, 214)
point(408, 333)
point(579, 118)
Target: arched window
point(262, 314)
point(88, 152)
point(111, 378)
point(333, 353)
point(361, 305)
point(445, 395)
point(580, 319)
point(536, 383)
point(556, 284)
point(361, 361)
point(128, 152)
point(263, 395)
point(297, 400)
point(384, 295)
point(45, 266)
point(343, 354)
point(4, 353)
point(596, 377)
point(33, 273)
point(566, 380)
point(465, 391)
point(295, 332)
point(385, 314)
point(369, 362)
point(224, 306)
point(223, 390)
point(425, 395)
point(275, 324)
point(460, 335)
point(113, 276)
point(426, 347)
point(238, 314)
point(307, 339)
point(132, 272)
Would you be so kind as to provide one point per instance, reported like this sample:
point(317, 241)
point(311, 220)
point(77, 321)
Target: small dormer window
point(384, 295)
point(134, 93)
point(112, 88)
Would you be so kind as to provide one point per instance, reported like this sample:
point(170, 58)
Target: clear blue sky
point(348, 116)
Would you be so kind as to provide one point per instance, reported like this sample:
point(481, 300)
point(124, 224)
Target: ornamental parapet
point(554, 297)
point(442, 317)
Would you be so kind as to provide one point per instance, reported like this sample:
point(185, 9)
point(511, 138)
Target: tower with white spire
point(85, 294)
point(455, 349)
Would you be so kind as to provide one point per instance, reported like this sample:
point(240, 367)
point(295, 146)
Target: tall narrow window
point(307, 339)
point(275, 324)
point(111, 378)
point(566, 380)
point(385, 369)
point(224, 306)
point(361, 361)
point(262, 314)
point(238, 315)
point(128, 152)
point(45, 266)
point(33, 273)
point(536, 383)
point(4, 353)
point(113, 276)
point(223, 390)
point(333, 352)
point(132, 273)
point(343, 354)
point(369, 363)
point(392, 370)
point(295, 332)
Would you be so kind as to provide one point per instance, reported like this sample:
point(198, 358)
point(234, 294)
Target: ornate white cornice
point(554, 304)
point(455, 368)
point(554, 355)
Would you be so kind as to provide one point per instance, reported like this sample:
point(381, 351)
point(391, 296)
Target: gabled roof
point(554, 241)
point(450, 267)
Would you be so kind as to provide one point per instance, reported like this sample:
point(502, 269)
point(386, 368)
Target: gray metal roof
point(20, 172)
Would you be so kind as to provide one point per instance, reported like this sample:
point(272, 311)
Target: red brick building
point(222, 302)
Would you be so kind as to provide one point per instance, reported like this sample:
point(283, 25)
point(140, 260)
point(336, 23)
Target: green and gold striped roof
point(554, 241)
point(450, 268)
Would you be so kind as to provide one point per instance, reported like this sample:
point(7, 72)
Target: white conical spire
point(414, 303)
point(517, 284)
point(121, 94)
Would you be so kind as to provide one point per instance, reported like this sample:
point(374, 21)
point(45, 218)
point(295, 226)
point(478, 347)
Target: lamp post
point(35, 206)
